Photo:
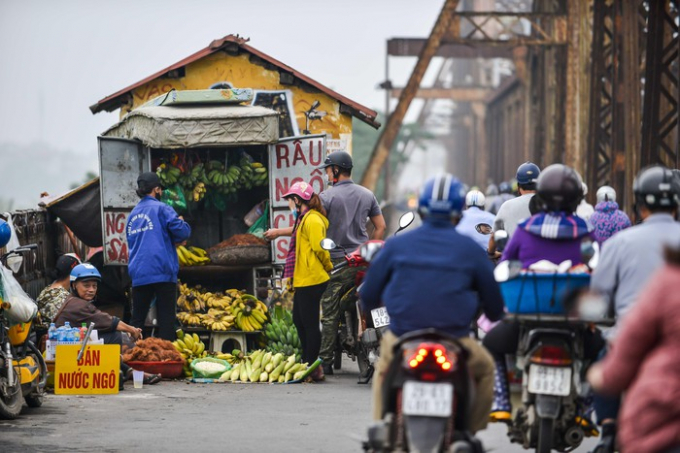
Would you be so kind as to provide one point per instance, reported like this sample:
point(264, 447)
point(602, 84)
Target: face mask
point(294, 213)
point(157, 196)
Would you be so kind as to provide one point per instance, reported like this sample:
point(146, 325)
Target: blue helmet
point(505, 187)
point(527, 173)
point(85, 271)
point(442, 196)
point(5, 233)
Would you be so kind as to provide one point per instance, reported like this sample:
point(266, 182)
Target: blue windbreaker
point(153, 229)
point(432, 276)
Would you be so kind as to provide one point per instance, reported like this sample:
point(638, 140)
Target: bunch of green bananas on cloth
point(282, 336)
point(262, 366)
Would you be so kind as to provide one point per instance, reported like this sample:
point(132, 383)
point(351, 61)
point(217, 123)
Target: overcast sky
point(60, 57)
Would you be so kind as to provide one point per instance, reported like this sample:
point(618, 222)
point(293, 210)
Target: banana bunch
point(168, 174)
point(218, 320)
point(190, 319)
point(250, 313)
point(199, 192)
point(261, 176)
point(192, 256)
point(191, 302)
point(262, 366)
point(190, 347)
point(224, 180)
point(283, 336)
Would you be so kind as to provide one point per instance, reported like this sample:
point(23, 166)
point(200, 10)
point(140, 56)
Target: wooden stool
point(236, 338)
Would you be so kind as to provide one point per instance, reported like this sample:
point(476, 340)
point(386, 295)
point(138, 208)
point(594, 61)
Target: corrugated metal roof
point(355, 109)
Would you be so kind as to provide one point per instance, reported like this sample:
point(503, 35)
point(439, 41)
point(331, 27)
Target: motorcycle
point(427, 398)
point(550, 356)
point(359, 336)
point(23, 371)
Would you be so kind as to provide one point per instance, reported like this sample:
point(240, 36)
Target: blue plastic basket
point(540, 293)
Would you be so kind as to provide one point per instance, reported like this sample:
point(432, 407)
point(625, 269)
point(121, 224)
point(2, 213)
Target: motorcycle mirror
point(507, 270)
point(406, 219)
point(592, 307)
point(328, 244)
point(369, 250)
point(14, 262)
point(484, 228)
point(500, 238)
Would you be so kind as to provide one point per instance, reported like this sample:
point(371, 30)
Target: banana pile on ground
point(192, 256)
point(251, 313)
point(282, 335)
point(262, 366)
point(190, 347)
point(168, 174)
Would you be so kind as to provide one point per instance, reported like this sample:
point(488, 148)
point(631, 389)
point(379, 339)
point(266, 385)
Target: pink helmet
point(301, 189)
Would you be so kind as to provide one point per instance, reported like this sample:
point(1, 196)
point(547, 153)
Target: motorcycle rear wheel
point(545, 435)
point(337, 358)
point(10, 406)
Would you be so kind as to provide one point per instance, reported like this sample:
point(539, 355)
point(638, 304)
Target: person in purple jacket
point(153, 229)
point(607, 219)
point(554, 234)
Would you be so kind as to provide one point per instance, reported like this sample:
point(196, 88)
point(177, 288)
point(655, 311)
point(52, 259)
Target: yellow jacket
point(312, 263)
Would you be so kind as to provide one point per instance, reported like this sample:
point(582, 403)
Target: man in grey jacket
point(631, 257)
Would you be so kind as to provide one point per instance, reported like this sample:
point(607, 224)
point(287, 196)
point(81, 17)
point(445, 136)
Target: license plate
point(426, 399)
point(380, 317)
point(548, 380)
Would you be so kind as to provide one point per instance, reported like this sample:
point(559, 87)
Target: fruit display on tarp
point(262, 366)
point(190, 347)
point(192, 256)
point(281, 333)
point(229, 310)
point(152, 350)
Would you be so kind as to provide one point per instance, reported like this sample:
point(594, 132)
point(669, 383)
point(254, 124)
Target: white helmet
point(475, 198)
point(606, 193)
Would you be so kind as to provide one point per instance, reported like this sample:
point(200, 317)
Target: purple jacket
point(607, 220)
point(544, 236)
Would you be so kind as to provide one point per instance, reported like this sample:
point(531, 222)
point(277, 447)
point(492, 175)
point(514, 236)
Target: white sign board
point(291, 160)
point(115, 239)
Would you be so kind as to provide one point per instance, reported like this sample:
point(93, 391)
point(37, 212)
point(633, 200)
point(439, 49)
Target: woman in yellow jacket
point(308, 264)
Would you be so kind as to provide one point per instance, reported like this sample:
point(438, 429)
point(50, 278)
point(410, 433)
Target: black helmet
point(339, 159)
point(560, 188)
point(657, 187)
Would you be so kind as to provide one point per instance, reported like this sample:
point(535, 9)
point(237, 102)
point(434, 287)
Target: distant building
point(305, 105)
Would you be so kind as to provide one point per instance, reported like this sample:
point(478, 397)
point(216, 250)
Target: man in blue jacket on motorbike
point(153, 229)
point(434, 277)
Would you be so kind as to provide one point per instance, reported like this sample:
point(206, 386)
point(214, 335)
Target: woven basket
point(241, 254)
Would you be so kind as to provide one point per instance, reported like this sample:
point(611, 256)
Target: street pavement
point(175, 416)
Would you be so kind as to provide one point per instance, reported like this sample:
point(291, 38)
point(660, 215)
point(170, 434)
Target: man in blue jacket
point(435, 277)
point(153, 229)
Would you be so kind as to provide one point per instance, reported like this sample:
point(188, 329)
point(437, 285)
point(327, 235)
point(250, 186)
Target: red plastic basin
point(168, 369)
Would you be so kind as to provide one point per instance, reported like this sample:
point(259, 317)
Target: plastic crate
point(540, 293)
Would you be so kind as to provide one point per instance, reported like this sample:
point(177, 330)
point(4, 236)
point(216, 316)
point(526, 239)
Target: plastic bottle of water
point(75, 334)
point(66, 334)
point(52, 332)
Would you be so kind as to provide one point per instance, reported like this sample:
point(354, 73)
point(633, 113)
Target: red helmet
point(301, 189)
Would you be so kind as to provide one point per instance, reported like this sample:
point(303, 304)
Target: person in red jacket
point(644, 364)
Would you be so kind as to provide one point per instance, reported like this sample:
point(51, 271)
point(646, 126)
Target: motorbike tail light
point(429, 358)
point(551, 355)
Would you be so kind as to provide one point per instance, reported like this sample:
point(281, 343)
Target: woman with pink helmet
point(308, 265)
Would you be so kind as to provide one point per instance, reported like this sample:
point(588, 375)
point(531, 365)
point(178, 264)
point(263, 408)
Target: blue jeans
point(606, 407)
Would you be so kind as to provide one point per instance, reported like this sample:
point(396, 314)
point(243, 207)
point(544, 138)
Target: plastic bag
point(14, 238)
point(255, 213)
point(214, 374)
point(260, 226)
point(21, 307)
point(173, 196)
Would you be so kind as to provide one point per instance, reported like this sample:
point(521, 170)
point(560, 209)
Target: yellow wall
point(241, 73)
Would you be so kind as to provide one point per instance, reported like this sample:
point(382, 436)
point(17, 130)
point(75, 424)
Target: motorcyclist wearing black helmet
point(630, 257)
point(554, 234)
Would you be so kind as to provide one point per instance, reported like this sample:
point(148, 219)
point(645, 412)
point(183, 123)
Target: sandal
point(151, 379)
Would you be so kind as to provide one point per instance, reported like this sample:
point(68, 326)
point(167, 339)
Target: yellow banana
point(189, 342)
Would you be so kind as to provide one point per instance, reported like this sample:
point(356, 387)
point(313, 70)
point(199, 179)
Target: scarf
point(556, 225)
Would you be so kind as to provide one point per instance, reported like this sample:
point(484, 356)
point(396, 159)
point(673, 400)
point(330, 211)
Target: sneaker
point(500, 416)
point(327, 369)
